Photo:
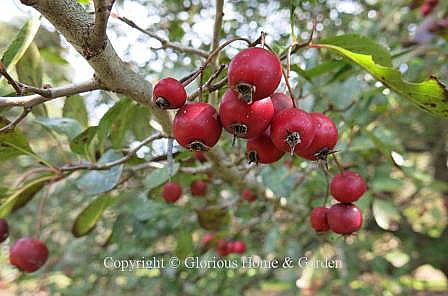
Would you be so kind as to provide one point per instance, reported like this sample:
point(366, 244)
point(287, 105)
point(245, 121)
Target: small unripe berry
point(254, 73)
point(196, 126)
point(198, 188)
point(28, 254)
point(347, 187)
point(169, 94)
point(318, 219)
point(4, 230)
point(248, 195)
point(344, 218)
point(281, 102)
point(292, 130)
point(243, 120)
point(171, 192)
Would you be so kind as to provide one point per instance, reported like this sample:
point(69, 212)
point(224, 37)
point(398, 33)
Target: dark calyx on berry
point(246, 92)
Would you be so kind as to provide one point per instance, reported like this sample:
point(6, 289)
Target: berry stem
point(339, 165)
point(41, 210)
point(169, 156)
point(327, 181)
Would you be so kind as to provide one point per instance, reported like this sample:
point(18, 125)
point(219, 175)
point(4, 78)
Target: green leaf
point(87, 219)
point(140, 122)
point(23, 195)
point(81, 144)
point(159, 176)
point(386, 214)
point(20, 44)
point(65, 126)
point(13, 142)
point(97, 182)
point(184, 244)
point(109, 121)
point(83, 2)
point(430, 95)
point(75, 108)
point(29, 71)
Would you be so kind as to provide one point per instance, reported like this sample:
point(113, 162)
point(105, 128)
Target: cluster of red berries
point(27, 254)
point(250, 110)
point(172, 191)
point(222, 246)
point(343, 217)
point(428, 6)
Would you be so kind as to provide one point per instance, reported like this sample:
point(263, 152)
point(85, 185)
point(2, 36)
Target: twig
point(31, 172)
point(299, 46)
point(208, 85)
point(12, 125)
point(103, 9)
point(165, 43)
point(106, 166)
point(56, 92)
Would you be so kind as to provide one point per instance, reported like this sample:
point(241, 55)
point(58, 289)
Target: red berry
point(169, 94)
point(200, 156)
point(198, 188)
point(325, 139)
point(4, 230)
point(171, 192)
point(222, 248)
point(425, 9)
point(262, 150)
point(281, 102)
point(28, 254)
point(344, 218)
point(254, 73)
point(292, 130)
point(243, 120)
point(238, 247)
point(347, 187)
point(196, 126)
point(207, 238)
point(248, 195)
point(318, 219)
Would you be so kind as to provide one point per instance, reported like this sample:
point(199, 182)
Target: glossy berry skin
point(292, 130)
point(169, 94)
point(207, 238)
point(4, 230)
point(243, 120)
point(325, 139)
point(248, 195)
point(344, 218)
point(347, 186)
point(318, 219)
point(198, 188)
point(171, 192)
point(28, 254)
point(238, 247)
point(196, 126)
point(254, 73)
point(200, 156)
point(262, 150)
point(281, 102)
point(222, 248)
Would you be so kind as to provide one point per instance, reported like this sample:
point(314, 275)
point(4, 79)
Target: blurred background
point(400, 150)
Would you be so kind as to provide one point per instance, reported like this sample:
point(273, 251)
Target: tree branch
point(102, 13)
point(53, 93)
point(165, 43)
point(106, 166)
point(12, 125)
point(75, 23)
